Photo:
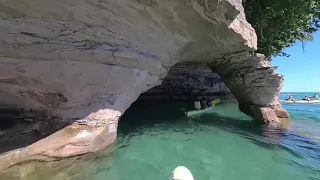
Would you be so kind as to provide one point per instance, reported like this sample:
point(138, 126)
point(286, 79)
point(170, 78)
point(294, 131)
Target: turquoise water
point(305, 117)
point(223, 145)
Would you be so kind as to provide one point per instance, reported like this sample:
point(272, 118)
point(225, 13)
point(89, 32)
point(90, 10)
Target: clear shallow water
point(226, 145)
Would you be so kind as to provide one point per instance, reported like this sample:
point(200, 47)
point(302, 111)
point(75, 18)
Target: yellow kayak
point(197, 112)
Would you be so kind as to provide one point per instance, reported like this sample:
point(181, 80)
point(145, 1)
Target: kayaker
point(205, 103)
point(290, 98)
point(198, 107)
point(202, 103)
point(306, 98)
point(197, 104)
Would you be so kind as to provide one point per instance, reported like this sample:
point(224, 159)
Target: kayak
point(198, 112)
point(302, 101)
point(181, 173)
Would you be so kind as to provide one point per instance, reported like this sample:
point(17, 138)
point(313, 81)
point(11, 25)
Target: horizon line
point(299, 92)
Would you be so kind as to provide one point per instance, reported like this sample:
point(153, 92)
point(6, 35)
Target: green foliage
point(280, 23)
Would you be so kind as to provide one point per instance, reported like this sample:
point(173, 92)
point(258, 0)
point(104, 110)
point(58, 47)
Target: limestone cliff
point(84, 62)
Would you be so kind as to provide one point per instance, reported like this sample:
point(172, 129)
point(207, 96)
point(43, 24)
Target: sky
point(302, 69)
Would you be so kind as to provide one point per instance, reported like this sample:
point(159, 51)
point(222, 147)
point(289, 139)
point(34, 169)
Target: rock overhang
point(167, 31)
point(75, 59)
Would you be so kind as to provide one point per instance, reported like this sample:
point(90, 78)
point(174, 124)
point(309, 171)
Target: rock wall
point(84, 62)
point(187, 81)
point(254, 83)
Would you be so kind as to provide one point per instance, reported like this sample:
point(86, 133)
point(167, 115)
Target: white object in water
point(181, 173)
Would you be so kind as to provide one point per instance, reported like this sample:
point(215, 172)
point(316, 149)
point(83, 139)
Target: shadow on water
point(146, 113)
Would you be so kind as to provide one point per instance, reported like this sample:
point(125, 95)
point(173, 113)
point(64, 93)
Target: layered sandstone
point(187, 81)
point(83, 62)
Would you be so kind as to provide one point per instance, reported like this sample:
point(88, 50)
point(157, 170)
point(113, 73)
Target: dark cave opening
point(187, 81)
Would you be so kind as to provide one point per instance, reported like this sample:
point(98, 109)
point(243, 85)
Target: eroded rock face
point(87, 97)
point(86, 61)
point(254, 83)
point(187, 81)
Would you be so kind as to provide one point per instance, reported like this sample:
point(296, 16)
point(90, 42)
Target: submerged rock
point(85, 62)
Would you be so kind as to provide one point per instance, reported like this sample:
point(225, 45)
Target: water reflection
point(74, 168)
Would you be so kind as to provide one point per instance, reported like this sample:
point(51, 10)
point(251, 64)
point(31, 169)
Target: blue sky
point(302, 69)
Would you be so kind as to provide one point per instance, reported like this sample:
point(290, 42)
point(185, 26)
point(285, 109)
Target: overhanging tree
point(280, 23)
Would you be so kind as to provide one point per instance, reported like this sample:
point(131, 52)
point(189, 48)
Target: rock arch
point(85, 61)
